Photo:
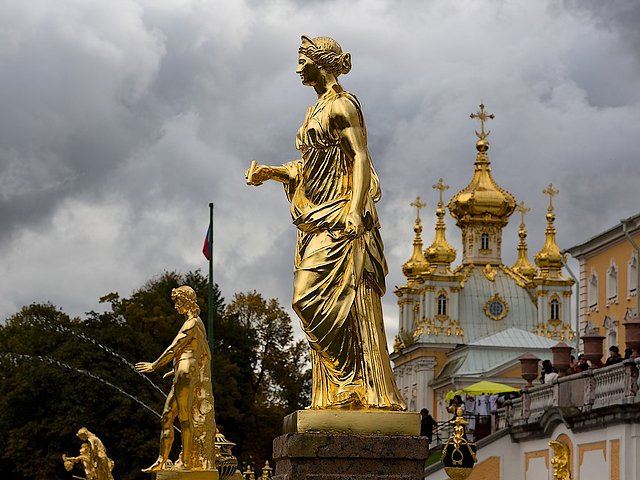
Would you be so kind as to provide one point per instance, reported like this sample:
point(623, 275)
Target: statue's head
point(83, 433)
point(185, 299)
point(324, 53)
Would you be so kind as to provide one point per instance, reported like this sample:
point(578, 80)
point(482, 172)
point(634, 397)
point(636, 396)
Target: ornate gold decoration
point(559, 331)
point(266, 471)
point(458, 454)
point(523, 266)
point(191, 396)
point(340, 265)
point(489, 272)
point(441, 324)
point(560, 461)
point(226, 462)
point(93, 457)
point(482, 203)
point(483, 117)
point(249, 474)
point(496, 307)
point(417, 265)
point(440, 254)
point(549, 259)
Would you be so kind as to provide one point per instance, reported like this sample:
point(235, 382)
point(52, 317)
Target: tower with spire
point(460, 324)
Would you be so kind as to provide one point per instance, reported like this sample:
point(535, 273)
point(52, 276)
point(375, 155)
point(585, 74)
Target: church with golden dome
point(459, 324)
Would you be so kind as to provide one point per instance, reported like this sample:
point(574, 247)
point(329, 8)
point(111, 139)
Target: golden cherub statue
point(340, 266)
point(93, 457)
point(191, 397)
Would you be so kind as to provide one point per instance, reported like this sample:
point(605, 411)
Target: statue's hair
point(187, 293)
point(326, 53)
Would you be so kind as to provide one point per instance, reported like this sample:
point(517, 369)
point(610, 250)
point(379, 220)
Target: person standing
point(427, 423)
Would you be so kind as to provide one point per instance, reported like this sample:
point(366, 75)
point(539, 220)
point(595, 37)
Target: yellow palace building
point(609, 280)
point(462, 324)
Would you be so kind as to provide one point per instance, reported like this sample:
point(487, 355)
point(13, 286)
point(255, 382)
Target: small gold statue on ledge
point(560, 461)
point(191, 397)
point(340, 266)
point(93, 457)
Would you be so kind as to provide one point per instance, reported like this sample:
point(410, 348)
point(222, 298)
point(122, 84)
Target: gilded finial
point(417, 264)
point(483, 117)
point(523, 266)
point(440, 254)
point(549, 259)
point(523, 209)
point(441, 187)
point(552, 192)
point(418, 204)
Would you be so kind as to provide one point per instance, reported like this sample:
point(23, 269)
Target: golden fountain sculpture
point(458, 454)
point(339, 261)
point(93, 457)
point(190, 398)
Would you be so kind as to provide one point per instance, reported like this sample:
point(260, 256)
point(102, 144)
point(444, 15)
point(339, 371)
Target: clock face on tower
point(496, 307)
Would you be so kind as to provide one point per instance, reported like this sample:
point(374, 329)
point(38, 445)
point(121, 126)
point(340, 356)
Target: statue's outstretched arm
point(257, 174)
point(181, 339)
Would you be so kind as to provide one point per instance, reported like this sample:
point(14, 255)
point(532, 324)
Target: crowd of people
point(478, 409)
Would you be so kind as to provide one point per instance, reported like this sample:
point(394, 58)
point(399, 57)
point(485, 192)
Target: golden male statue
point(339, 263)
point(191, 397)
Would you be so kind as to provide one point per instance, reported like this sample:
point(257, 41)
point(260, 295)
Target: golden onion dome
point(440, 254)
point(417, 265)
point(549, 258)
point(483, 198)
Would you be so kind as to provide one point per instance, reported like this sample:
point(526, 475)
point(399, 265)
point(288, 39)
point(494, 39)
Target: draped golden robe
point(338, 279)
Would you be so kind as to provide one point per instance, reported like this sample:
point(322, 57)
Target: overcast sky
point(122, 119)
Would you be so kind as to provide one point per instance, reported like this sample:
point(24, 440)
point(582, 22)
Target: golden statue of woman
point(339, 263)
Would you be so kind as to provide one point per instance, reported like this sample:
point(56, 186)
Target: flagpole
point(210, 289)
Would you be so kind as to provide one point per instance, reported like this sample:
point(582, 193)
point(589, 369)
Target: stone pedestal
point(186, 475)
point(329, 456)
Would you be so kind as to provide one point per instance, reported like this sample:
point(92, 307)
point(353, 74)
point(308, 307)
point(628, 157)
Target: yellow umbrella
point(487, 387)
point(450, 394)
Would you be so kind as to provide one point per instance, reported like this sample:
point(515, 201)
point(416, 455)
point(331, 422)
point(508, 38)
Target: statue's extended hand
point(256, 174)
point(354, 227)
point(144, 367)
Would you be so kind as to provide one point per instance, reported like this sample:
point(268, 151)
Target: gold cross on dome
point(522, 208)
point(551, 192)
point(418, 204)
point(483, 117)
point(441, 186)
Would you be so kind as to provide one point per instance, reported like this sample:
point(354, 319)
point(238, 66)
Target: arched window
point(592, 292)
point(442, 304)
point(611, 331)
point(555, 309)
point(612, 283)
point(484, 241)
point(632, 275)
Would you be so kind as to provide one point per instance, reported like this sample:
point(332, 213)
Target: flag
point(208, 242)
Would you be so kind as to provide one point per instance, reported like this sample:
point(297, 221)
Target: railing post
point(630, 380)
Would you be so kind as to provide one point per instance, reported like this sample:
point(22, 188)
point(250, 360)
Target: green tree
point(58, 374)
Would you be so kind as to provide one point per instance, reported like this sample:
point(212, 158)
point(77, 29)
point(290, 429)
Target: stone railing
point(585, 391)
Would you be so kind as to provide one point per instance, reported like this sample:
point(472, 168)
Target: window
point(555, 309)
point(592, 292)
point(484, 241)
point(442, 304)
point(611, 331)
point(632, 275)
point(612, 283)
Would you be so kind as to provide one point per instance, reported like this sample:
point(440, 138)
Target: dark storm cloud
point(121, 121)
